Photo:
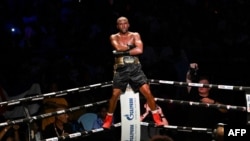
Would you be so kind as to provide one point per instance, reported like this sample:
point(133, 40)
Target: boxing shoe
point(108, 121)
point(157, 119)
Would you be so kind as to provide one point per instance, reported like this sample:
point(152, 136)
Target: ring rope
point(80, 134)
point(169, 127)
point(109, 83)
point(181, 128)
point(106, 84)
point(207, 105)
point(55, 94)
point(31, 119)
point(225, 87)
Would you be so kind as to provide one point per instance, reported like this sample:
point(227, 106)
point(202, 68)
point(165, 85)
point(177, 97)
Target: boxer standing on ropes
point(127, 70)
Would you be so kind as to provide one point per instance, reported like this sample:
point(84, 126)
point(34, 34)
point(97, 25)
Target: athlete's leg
point(112, 106)
point(145, 90)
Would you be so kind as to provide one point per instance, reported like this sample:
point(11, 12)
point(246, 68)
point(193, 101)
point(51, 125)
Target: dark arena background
point(58, 45)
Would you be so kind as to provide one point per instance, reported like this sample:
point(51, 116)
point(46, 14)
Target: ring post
point(130, 115)
point(27, 113)
point(248, 106)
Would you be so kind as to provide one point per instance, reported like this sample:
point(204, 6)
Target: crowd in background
point(69, 39)
point(66, 43)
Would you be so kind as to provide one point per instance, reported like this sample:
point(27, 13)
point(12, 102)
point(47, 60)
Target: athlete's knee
point(116, 93)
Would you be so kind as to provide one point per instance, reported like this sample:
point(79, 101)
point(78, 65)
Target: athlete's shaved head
point(122, 19)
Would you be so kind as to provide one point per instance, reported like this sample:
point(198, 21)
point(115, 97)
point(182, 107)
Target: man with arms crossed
point(127, 70)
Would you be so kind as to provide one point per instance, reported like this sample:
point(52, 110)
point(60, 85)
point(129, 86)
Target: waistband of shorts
point(121, 60)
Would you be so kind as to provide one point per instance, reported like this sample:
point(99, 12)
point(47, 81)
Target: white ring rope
point(106, 84)
point(185, 84)
point(31, 119)
point(169, 127)
point(55, 94)
point(80, 134)
point(191, 103)
point(181, 128)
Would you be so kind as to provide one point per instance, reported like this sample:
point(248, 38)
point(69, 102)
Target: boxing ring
point(29, 119)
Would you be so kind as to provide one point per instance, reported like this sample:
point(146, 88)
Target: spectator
point(161, 138)
point(10, 133)
point(200, 116)
point(102, 112)
point(61, 125)
point(49, 105)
